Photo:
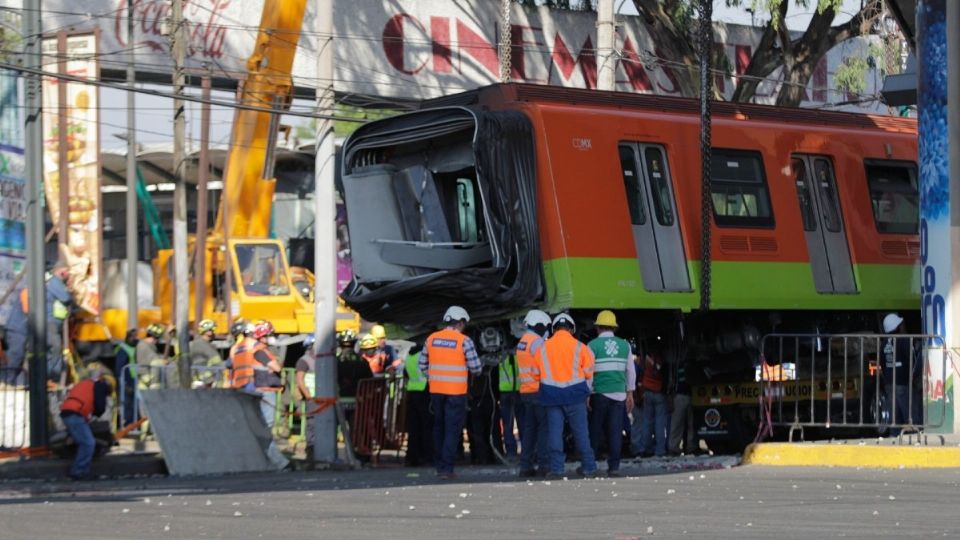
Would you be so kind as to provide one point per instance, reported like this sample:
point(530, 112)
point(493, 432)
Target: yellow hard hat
point(378, 331)
point(606, 318)
point(368, 342)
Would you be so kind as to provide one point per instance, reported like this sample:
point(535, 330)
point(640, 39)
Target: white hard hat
point(456, 313)
point(891, 322)
point(563, 318)
point(535, 317)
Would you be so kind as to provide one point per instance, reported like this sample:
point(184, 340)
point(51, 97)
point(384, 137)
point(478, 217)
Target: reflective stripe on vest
point(80, 399)
point(508, 374)
point(447, 364)
point(310, 380)
point(416, 382)
point(575, 378)
point(530, 344)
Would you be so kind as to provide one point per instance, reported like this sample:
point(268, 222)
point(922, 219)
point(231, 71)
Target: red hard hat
point(262, 329)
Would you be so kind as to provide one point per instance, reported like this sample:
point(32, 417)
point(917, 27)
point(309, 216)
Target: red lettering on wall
point(668, 71)
point(393, 42)
point(206, 32)
point(563, 59)
point(478, 48)
point(820, 81)
point(633, 67)
point(440, 37)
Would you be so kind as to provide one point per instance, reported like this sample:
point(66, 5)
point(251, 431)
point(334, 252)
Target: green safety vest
point(416, 382)
point(509, 382)
point(131, 352)
point(610, 369)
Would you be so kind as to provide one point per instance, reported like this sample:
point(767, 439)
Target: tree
point(673, 28)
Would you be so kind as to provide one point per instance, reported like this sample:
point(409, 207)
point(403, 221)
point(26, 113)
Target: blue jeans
point(511, 406)
point(82, 436)
point(268, 407)
point(655, 422)
point(449, 413)
point(606, 425)
point(576, 415)
point(533, 434)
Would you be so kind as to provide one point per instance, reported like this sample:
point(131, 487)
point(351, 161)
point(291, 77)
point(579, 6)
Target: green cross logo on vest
point(610, 370)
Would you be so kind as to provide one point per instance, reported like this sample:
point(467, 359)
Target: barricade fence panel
point(14, 409)
point(855, 381)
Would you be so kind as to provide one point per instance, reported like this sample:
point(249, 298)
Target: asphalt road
point(736, 503)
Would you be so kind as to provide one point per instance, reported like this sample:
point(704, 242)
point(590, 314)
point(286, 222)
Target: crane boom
point(248, 196)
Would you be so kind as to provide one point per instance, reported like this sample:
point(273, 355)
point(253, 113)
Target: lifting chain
point(705, 44)
point(505, 59)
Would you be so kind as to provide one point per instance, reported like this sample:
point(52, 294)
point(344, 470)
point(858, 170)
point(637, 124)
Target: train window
point(828, 191)
point(738, 188)
point(653, 158)
point(893, 192)
point(467, 214)
point(805, 195)
point(631, 183)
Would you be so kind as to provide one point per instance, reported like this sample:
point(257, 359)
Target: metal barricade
point(849, 382)
point(377, 416)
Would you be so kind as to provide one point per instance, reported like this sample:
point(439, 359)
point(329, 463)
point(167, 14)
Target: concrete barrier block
point(210, 431)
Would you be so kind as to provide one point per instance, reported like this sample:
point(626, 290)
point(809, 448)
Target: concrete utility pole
point(953, 137)
point(606, 36)
point(203, 174)
point(181, 301)
point(132, 229)
point(63, 164)
point(325, 256)
point(33, 174)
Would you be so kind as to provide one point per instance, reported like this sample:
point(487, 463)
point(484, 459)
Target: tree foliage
point(671, 25)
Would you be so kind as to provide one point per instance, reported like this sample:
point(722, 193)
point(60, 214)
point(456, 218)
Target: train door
point(653, 213)
point(823, 224)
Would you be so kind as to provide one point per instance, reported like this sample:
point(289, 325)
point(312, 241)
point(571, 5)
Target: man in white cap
point(447, 356)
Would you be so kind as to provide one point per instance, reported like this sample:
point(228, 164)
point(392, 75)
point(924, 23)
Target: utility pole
point(33, 174)
point(325, 256)
point(706, 203)
point(203, 173)
point(132, 229)
point(606, 32)
point(181, 299)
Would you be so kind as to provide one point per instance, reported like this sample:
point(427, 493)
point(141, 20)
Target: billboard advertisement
point(78, 148)
point(12, 219)
point(414, 49)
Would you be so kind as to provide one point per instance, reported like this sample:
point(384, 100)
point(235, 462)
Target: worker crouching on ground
point(85, 400)
point(564, 368)
point(614, 379)
point(533, 430)
point(447, 356)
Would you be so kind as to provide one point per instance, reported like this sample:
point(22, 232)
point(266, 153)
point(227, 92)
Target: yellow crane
point(261, 285)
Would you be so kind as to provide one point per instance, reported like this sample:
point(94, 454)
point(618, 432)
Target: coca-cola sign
point(418, 48)
point(206, 26)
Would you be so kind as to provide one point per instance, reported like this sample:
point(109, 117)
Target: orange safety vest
point(652, 375)
point(79, 399)
point(527, 351)
point(24, 300)
point(376, 361)
point(447, 364)
point(556, 367)
point(243, 363)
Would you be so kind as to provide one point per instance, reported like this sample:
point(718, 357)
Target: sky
point(154, 115)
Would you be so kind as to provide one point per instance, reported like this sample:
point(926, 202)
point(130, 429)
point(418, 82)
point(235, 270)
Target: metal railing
point(849, 381)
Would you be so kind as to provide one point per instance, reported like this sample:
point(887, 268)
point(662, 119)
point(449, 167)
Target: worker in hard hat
point(390, 361)
point(447, 356)
point(901, 374)
point(126, 355)
point(533, 428)
point(152, 366)
point(85, 400)
point(205, 359)
point(564, 370)
point(266, 370)
point(511, 408)
point(371, 354)
point(58, 302)
point(614, 380)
